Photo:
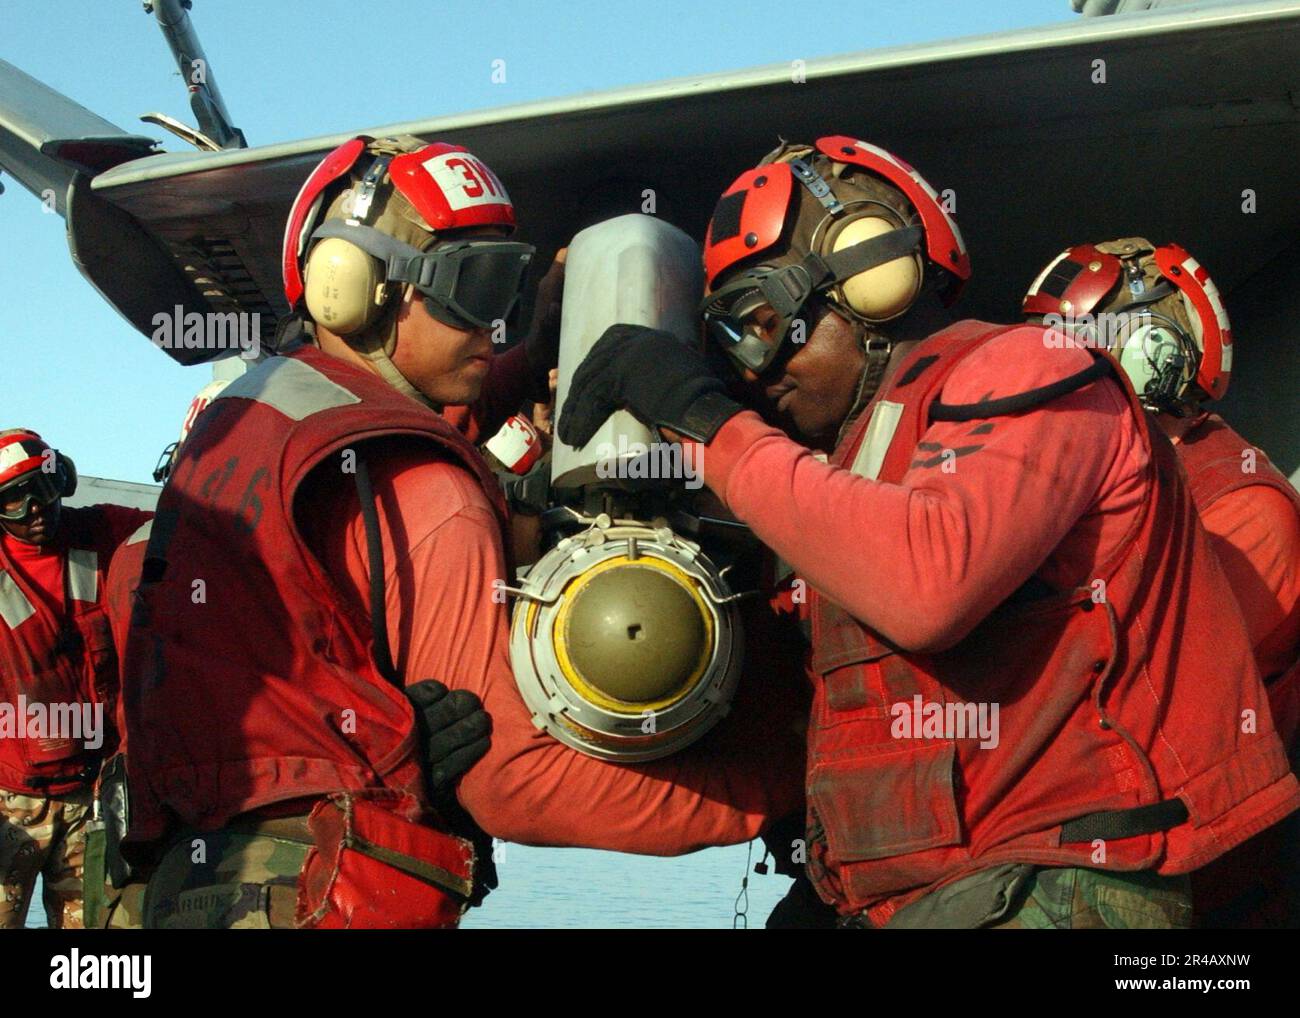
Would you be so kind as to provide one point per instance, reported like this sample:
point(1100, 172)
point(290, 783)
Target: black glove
point(652, 374)
point(454, 731)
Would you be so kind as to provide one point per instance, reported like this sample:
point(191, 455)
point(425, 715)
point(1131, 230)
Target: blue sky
point(96, 388)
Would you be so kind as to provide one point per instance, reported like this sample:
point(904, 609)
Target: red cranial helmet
point(31, 472)
point(843, 219)
point(1171, 332)
point(380, 215)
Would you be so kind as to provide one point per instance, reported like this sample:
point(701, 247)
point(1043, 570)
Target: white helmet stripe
point(924, 184)
point(1033, 289)
point(1211, 291)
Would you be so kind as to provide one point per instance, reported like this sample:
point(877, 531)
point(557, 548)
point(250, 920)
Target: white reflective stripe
point(1033, 287)
point(83, 574)
point(923, 184)
point(12, 454)
point(141, 534)
point(15, 609)
point(295, 389)
point(1225, 357)
point(876, 442)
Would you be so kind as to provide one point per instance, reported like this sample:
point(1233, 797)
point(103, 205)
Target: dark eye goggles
point(471, 283)
point(35, 489)
point(467, 284)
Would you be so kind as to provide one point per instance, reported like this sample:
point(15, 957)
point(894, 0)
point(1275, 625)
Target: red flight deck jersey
point(919, 540)
point(447, 620)
point(1252, 513)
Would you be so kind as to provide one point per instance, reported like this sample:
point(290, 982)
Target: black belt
point(1115, 824)
point(85, 776)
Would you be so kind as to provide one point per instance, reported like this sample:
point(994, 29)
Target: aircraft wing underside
point(1196, 116)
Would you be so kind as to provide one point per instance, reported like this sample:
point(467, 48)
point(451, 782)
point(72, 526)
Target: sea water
point(577, 888)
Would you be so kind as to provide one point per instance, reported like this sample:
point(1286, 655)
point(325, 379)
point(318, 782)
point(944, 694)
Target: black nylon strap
point(867, 254)
point(1115, 824)
point(375, 557)
point(1023, 400)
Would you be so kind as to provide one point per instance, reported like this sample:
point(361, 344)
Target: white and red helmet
point(1132, 275)
point(448, 187)
point(517, 446)
point(31, 471)
point(21, 452)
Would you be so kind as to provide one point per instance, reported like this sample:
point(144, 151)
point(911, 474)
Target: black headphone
point(66, 471)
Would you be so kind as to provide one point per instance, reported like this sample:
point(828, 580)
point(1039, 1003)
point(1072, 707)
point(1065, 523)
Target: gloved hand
point(652, 374)
point(454, 731)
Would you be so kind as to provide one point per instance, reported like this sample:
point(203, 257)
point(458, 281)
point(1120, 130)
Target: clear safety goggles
point(37, 488)
point(752, 317)
point(730, 310)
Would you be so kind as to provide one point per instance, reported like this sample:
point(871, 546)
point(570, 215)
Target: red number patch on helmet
point(464, 181)
point(451, 188)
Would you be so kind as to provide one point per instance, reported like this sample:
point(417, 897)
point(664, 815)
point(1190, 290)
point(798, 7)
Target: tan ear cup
point(344, 286)
point(885, 291)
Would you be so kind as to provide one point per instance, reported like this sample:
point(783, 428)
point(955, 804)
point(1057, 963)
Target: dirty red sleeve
point(1256, 533)
point(924, 560)
point(446, 624)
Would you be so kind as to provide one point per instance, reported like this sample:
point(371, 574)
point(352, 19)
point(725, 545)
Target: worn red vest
point(1247, 887)
point(53, 663)
point(1219, 461)
point(1091, 718)
point(248, 678)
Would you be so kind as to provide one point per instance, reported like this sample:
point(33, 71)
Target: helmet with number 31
point(377, 216)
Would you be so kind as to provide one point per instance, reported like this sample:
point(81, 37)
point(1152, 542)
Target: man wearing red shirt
point(58, 674)
point(329, 537)
point(1010, 677)
point(1158, 309)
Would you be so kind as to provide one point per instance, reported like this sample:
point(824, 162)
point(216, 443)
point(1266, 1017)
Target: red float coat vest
point(59, 660)
point(1213, 456)
point(1103, 707)
point(248, 679)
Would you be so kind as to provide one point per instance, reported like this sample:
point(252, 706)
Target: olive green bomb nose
point(635, 634)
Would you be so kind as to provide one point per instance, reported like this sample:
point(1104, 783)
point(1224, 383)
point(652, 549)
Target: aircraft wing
point(1167, 122)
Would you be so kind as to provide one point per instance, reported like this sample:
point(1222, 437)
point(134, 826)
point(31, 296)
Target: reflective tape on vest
point(295, 389)
point(83, 574)
point(15, 609)
point(875, 444)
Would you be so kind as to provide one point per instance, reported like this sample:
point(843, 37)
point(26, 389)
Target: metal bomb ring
point(626, 645)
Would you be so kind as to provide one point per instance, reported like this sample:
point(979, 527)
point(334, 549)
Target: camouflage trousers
point(43, 837)
point(1073, 898)
point(216, 880)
